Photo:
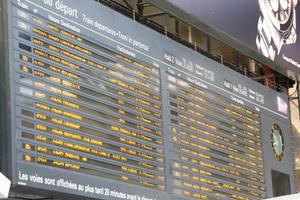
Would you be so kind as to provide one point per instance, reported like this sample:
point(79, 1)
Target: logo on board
point(282, 105)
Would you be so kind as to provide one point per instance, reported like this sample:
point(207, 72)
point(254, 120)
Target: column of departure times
point(216, 144)
point(85, 108)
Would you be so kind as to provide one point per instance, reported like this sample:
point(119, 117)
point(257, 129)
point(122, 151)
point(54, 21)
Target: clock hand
point(275, 141)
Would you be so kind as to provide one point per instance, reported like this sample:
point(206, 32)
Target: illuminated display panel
point(110, 110)
point(85, 108)
point(217, 145)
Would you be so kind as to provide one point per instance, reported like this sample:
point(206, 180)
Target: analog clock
point(277, 142)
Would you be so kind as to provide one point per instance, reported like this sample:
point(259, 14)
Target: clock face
point(277, 142)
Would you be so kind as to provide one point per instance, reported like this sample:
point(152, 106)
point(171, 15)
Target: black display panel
point(281, 184)
point(99, 110)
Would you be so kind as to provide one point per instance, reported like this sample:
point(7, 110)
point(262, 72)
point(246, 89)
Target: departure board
point(105, 108)
point(216, 144)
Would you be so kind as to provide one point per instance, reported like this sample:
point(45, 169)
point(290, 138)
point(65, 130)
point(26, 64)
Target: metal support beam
point(127, 4)
point(236, 57)
point(262, 77)
point(208, 44)
point(155, 14)
point(144, 4)
point(177, 28)
point(140, 7)
point(190, 34)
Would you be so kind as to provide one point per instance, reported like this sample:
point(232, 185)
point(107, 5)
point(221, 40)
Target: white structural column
point(4, 186)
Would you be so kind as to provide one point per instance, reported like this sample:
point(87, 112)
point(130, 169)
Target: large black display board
point(102, 107)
